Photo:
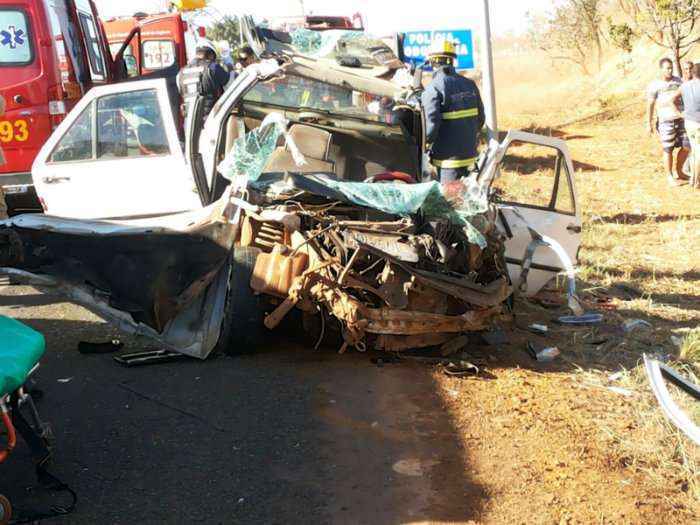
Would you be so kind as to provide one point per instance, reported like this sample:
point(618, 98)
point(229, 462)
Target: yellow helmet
point(442, 49)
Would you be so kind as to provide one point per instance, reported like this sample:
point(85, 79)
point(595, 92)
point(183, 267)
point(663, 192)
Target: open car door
point(116, 155)
point(538, 209)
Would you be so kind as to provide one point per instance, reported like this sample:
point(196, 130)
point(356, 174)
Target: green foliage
point(621, 35)
point(227, 29)
point(668, 23)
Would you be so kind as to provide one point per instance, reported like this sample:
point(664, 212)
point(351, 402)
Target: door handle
point(573, 228)
point(54, 180)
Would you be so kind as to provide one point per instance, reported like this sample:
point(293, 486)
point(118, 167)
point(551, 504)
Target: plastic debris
point(545, 355)
point(616, 376)
point(538, 328)
point(548, 354)
point(634, 324)
point(581, 319)
point(622, 391)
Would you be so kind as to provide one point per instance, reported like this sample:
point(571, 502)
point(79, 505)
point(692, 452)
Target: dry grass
point(640, 255)
point(639, 437)
point(690, 348)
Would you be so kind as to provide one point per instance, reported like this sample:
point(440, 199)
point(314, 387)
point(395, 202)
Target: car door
point(116, 155)
point(207, 142)
point(534, 187)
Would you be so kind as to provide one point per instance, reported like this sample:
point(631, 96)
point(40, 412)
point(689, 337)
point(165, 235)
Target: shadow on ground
point(549, 132)
point(527, 165)
point(637, 218)
point(286, 435)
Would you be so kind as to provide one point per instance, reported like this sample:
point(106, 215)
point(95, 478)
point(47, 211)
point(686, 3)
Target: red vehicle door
point(156, 43)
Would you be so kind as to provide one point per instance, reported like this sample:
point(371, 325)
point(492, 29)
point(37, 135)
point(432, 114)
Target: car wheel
point(5, 510)
point(242, 329)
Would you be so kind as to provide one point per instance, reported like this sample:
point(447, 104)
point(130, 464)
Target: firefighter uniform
point(454, 115)
point(202, 77)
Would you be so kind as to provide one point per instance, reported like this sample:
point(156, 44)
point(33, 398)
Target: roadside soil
point(565, 443)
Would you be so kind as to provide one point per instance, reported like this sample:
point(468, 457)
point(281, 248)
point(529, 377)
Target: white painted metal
point(124, 187)
point(666, 402)
point(559, 226)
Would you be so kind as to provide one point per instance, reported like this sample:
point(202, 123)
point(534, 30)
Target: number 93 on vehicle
point(14, 131)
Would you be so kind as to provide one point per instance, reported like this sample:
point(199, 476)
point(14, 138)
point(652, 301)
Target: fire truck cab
point(51, 53)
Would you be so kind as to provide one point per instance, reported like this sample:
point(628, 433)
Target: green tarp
point(21, 349)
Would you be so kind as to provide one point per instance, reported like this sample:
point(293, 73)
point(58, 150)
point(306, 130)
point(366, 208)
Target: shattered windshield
point(336, 44)
point(299, 94)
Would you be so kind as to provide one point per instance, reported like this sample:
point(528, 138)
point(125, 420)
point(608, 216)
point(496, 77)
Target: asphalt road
point(287, 435)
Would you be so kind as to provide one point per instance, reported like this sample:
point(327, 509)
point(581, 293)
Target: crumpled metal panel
point(165, 277)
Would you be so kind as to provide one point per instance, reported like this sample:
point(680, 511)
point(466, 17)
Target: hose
point(11, 435)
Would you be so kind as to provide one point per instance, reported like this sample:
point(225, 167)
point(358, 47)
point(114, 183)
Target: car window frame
point(158, 41)
point(300, 109)
point(93, 56)
point(560, 163)
point(30, 36)
point(94, 136)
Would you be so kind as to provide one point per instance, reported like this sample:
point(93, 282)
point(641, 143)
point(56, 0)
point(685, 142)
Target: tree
point(621, 35)
point(228, 28)
point(668, 23)
point(570, 31)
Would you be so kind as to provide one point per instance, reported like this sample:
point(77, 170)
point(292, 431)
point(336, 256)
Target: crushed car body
point(301, 192)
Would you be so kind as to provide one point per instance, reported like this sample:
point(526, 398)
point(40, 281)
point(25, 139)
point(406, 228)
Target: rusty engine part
point(392, 284)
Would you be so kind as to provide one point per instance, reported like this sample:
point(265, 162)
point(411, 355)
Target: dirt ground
point(585, 442)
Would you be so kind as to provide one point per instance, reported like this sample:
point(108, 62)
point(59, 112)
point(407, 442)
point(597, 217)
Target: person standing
point(203, 77)
point(454, 115)
point(690, 94)
point(688, 70)
point(664, 115)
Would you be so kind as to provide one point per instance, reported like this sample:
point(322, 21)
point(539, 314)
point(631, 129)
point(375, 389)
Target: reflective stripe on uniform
point(464, 113)
point(453, 163)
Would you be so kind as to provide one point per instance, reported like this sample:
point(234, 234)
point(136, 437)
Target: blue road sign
point(416, 46)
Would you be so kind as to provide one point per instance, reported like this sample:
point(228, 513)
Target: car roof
point(367, 79)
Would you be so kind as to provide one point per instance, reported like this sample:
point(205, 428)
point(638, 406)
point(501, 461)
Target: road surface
point(286, 435)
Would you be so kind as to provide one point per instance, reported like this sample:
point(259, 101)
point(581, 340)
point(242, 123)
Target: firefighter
point(203, 77)
point(454, 115)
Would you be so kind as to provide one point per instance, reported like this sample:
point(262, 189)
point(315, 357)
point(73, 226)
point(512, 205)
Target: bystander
point(664, 116)
point(690, 94)
point(688, 70)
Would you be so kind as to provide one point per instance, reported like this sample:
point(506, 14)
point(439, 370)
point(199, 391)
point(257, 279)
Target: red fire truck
point(51, 53)
point(156, 42)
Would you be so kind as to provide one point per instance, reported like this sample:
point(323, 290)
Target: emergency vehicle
point(51, 53)
point(157, 42)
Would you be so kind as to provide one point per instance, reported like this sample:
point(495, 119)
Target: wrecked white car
point(301, 192)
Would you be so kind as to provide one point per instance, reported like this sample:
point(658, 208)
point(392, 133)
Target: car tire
point(5, 510)
point(242, 329)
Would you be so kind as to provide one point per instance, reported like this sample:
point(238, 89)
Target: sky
point(381, 17)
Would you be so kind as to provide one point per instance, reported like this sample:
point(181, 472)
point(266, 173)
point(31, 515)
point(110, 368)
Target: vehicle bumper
point(20, 194)
point(16, 183)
